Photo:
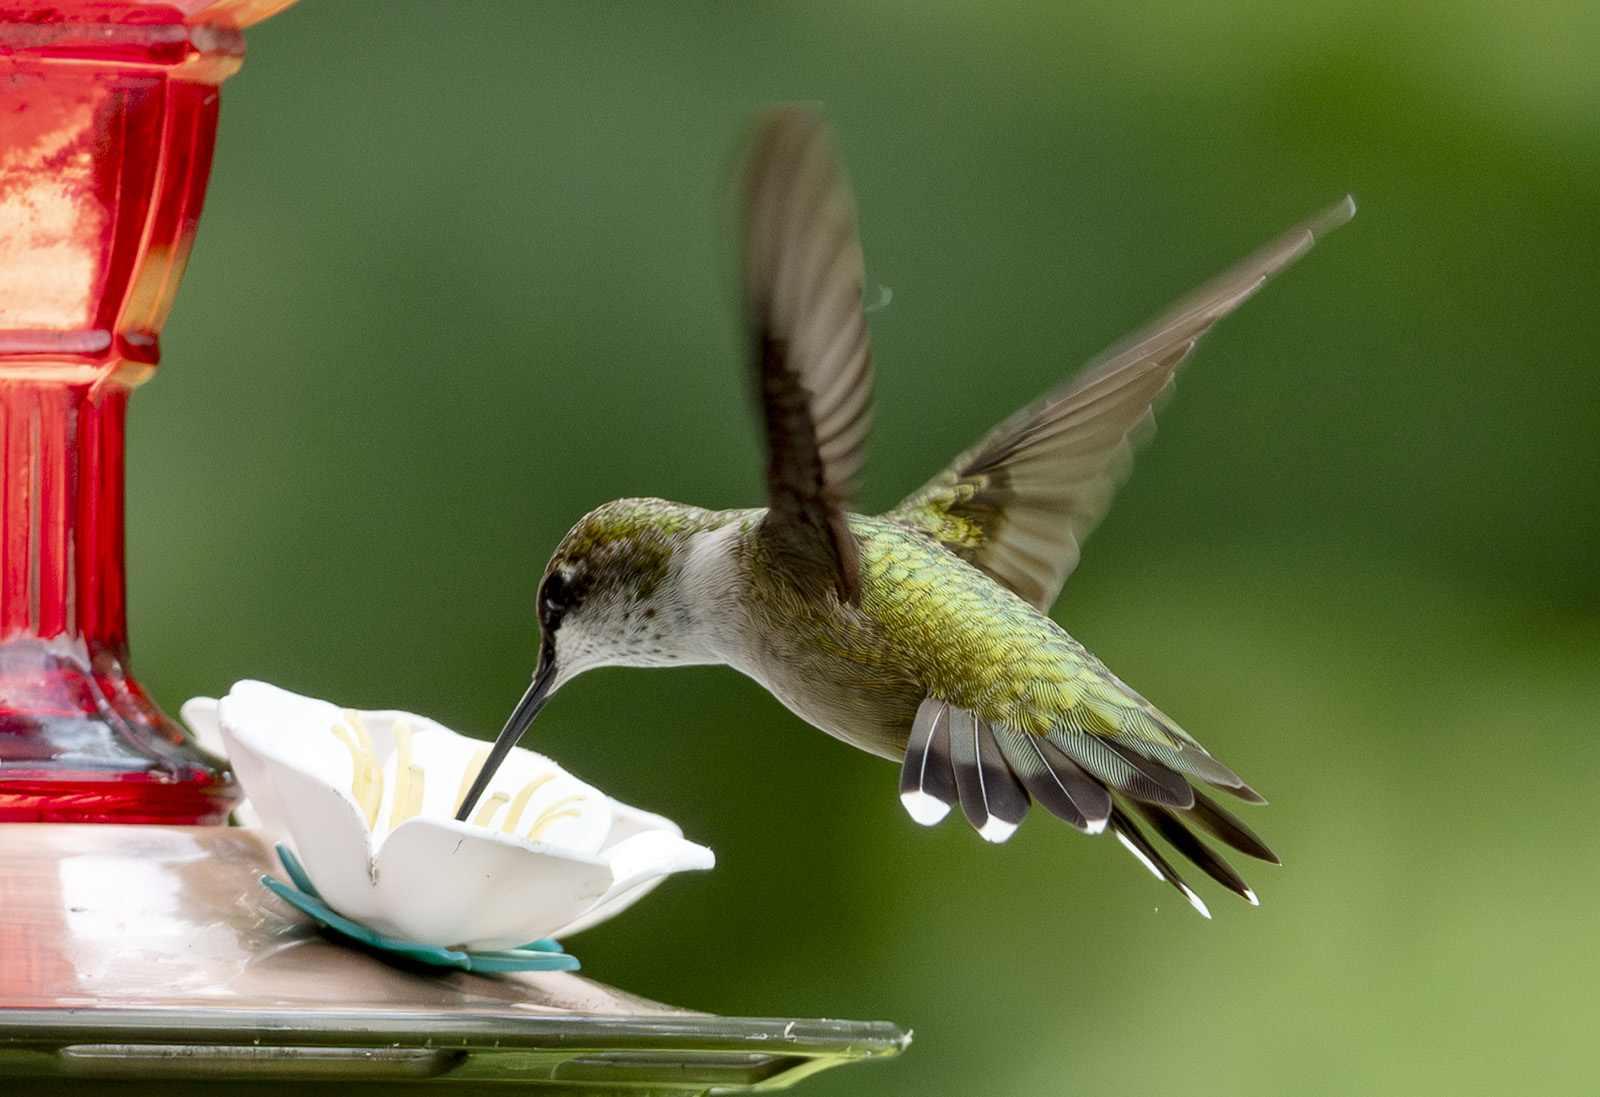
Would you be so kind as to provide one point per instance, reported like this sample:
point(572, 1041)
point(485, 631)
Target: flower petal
point(638, 864)
point(199, 715)
point(327, 833)
point(447, 883)
point(628, 820)
point(255, 773)
point(287, 727)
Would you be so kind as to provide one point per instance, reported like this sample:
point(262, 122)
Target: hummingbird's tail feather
point(1172, 748)
point(1156, 781)
point(1123, 768)
point(953, 757)
point(1243, 792)
point(1156, 789)
point(928, 777)
point(1087, 780)
point(1129, 834)
point(992, 798)
point(1059, 784)
point(1221, 824)
point(1156, 736)
point(1185, 763)
point(1182, 839)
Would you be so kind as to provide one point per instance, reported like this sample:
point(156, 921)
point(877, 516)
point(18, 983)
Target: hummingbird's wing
point(1019, 504)
point(802, 280)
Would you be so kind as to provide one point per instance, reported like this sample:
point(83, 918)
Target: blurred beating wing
point(1019, 504)
point(802, 285)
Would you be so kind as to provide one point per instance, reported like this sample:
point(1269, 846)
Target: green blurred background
point(465, 272)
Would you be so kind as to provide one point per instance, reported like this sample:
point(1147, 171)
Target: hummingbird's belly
point(868, 718)
point(867, 703)
point(872, 715)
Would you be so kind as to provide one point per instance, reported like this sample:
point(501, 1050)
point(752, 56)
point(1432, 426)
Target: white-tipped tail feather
point(1194, 901)
point(1127, 844)
point(996, 830)
point(923, 808)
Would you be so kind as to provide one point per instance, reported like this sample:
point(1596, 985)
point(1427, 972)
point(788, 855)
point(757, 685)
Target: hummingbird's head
point(610, 594)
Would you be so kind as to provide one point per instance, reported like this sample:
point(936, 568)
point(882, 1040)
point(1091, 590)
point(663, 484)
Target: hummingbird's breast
point(828, 663)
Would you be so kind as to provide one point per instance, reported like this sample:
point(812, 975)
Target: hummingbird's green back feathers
point(1019, 504)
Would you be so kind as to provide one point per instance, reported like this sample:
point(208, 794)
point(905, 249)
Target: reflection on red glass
point(108, 113)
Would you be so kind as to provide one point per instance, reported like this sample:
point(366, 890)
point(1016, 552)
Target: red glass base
point(106, 798)
point(81, 742)
point(74, 724)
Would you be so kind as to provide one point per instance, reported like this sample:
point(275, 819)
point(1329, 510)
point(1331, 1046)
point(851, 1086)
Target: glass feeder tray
point(153, 953)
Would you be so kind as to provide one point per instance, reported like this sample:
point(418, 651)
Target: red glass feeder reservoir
point(108, 115)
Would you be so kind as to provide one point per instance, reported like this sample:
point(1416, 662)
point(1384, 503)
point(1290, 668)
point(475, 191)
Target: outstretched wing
point(802, 286)
point(1019, 504)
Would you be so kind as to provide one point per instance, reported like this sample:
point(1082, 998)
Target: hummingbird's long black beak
point(521, 717)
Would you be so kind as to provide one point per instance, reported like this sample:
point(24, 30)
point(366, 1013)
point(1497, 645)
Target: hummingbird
point(921, 634)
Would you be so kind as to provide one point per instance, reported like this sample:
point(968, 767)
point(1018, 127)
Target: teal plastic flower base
point(540, 955)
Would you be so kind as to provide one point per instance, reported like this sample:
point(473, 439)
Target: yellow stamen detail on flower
point(552, 813)
point(545, 822)
point(342, 733)
point(521, 801)
point(486, 810)
point(413, 792)
point(470, 774)
point(366, 782)
point(403, 776)
point(370, 794)
point(353, 718)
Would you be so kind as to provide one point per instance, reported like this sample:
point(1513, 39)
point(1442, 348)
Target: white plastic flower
point(367, 802)
point(200, 717)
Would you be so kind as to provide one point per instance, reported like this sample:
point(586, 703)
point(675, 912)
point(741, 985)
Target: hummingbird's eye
point(557, 595)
